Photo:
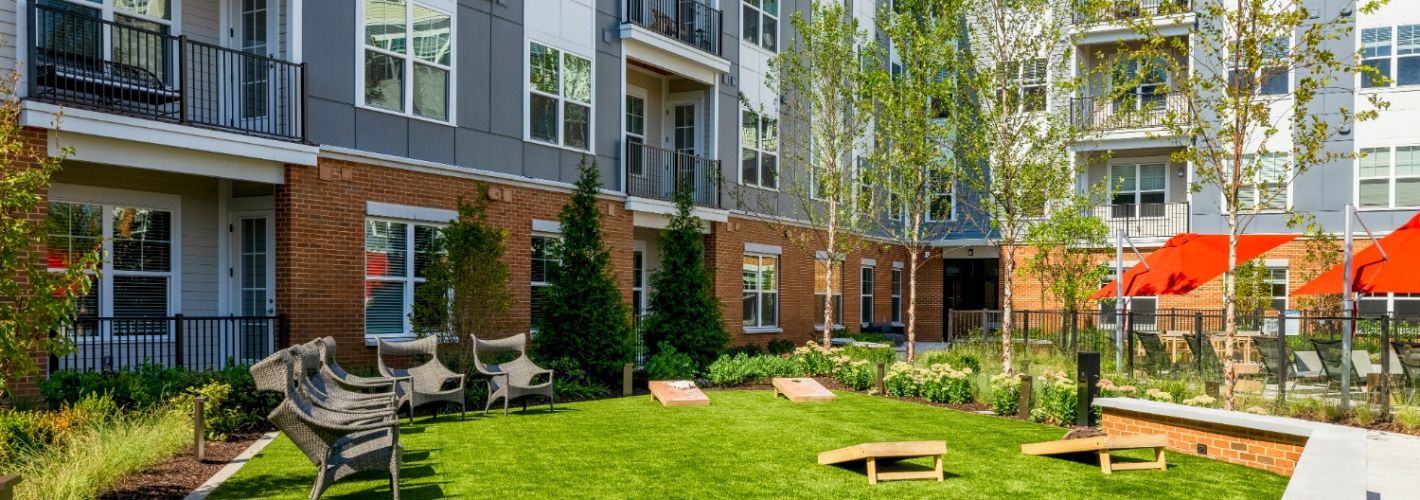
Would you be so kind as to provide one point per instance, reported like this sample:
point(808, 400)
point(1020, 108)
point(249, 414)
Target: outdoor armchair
point(278, 373)
point(516, 379)
point(1157, 360)
point(1408, 356)
point(331, 369)
point(427, 382)
point(327, 389)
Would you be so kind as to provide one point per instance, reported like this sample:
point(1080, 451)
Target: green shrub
point(780, 347)
point(856, 373)
point(944, 384)
point(1005, 394)
point(569, 383)
point(875, 337)
point(95, 458)
point(957, 359)
point(669, 364)
point(1056, 399)
point(873, 355)
point(741, 369)
point(813, 360)
point(242, 408)
point(902, 380)
point(747, 349)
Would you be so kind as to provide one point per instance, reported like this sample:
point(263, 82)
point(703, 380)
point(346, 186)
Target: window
point(393, 273)
point(544, 263)
point(1271, 186)
point(635, 135)
point(559, 97)
point(1144, 308)
point(130, 41)
point(1024, 85)
point(820, 272)
point(759, 154)
point(1276, 280)
point(896, 295)
point(638, 283)
point(761, 291)
point(864, 188)
point(1387, 180)
point(1399, 63)
point(1140, 189)
point(1146, 84)
point(409, 57)
point(866, 289)
point(761, 23)
point(137, 272)
point(941, 202)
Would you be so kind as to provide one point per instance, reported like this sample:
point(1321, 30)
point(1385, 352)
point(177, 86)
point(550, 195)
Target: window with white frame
point(1276, 281)
point(1387, 179)
point(1403, 306)
point(941, 202)
point(1138, 186)
point(896, 295)
point(1398, 62)
point(1025, 83)
point(820, 272)
point(865, 285)
point(559, 97)
point(1271, 185)
point(635, 134)
point(136, 276)
point(761, 23)
point(761, 291)
point(408, 54)
point(544, 262)
point(1146, 81)
point(130, 42)
point(759, 149)
point(863, 187)
point(1273, 77)
point(397, 256)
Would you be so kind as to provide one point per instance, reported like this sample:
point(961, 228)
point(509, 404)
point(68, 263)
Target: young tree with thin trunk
point(1250, 86)
point(1065, 243)
point(1014, 139)
point(907, 184)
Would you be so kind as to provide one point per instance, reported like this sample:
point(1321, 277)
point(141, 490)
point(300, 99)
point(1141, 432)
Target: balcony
point(1144, 220)
point(654, 173)
point(87, 62)
point(692, 23)
point(1126, 10)
point(1134, 111)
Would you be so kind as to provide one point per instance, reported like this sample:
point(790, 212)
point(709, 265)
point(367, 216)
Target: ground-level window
point(136, 277)
point(1276, 280)
point(820, 272)
point(896, 295)
point(544, 263)
point(1144, 309)
point(397, 255)
point(866, 289)
point(761, 291)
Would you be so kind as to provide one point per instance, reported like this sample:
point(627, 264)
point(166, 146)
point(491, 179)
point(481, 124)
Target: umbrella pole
point(1119, 303)
point(1348, 308)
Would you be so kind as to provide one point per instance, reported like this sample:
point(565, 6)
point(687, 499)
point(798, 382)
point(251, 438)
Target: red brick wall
point(27, 388)
point(1268, 451)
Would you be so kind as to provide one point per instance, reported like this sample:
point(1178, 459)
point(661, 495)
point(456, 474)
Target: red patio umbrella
point(1394, 272)
point(1187, 261)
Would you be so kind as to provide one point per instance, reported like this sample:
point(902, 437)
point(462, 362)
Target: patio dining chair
point(1156, 355)
point(1330, 353)
point(1212, 363)
point(515, 379)
point(429, 381)
point(1408, 356)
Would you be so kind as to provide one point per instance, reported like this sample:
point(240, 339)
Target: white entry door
point(253, 30)
point(253, 278)
point(683, 136)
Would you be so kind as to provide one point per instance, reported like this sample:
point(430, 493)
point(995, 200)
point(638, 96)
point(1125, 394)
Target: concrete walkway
point(1392, 466)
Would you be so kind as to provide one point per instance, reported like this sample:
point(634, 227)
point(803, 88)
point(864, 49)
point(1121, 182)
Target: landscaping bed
point(177, 477)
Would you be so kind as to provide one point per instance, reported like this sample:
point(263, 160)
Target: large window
point(759, 154)
point(896, 295)
point(130, 43)
point(1394, 53)
point(1272, 77)
point(135, 278)
point(761, 291)
point(544, 262)
point(559, 97)
point(820, 272)
point(409, 57)
point(397, 255)
point(941, 202)
point(1137, 186)
point(1276, 280)
point(1271, 187)
point(1025, 83)
point(866, 291)
point(1145, 84)
point(761, 23)
point(1387, 179)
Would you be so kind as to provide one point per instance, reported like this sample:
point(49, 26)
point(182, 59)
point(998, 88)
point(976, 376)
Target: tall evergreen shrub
point(683, 311)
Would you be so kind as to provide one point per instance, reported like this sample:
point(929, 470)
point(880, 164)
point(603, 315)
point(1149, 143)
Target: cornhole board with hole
point(1103, 445)
point(802, 390)
point(890, 452)
point(662, 391)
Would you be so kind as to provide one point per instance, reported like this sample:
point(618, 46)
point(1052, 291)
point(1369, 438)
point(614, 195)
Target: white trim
point(648, 206)
point(641, 43)
point(760, 330)
point(110, 151)
point(409, 60)
point(764, 249)
point(1276, 263)
point(295, 30)
point(109, 125)
point(560, 97)
point(431, 167)
point(546, 226)
point(897, 264)
point(867, 262)
point(411, 213)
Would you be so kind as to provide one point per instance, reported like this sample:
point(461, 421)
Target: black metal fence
point(691, 22)
point(83, 61)
point(1130, 111)
point(195, 342)
point(656, 173)
point(1122, 10)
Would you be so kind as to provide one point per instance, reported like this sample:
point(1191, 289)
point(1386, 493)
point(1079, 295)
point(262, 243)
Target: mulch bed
point(177, 477)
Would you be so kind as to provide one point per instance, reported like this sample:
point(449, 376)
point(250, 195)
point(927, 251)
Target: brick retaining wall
point(1270, 451)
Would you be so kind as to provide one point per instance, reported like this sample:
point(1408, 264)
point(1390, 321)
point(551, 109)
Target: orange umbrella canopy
point(1187, 261)
point(1373, 273)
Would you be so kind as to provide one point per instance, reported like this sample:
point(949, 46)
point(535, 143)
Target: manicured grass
point(746, 444)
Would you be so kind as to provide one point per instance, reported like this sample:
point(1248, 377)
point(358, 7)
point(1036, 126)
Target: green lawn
point(746, 444)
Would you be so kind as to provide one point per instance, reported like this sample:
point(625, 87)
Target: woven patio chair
point(334, 442)
point(324, 389)
point(428, 382)
point(332, 370)
point(1156, 355)
point(516, 379)
point(275, 373)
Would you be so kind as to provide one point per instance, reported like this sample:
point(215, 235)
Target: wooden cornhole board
point(1103, 445)
point(802, 390)
point(890, 452)
point(662, 391)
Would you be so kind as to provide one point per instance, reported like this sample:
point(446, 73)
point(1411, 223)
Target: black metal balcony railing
point(84, 61)
point(655, 173)
point(1131, 111)
point(199, 343)
point(691, 22)
point(1144, 220)
point(1123, 10)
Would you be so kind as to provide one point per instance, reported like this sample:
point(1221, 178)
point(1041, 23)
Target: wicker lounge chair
point(331, 369)
point(275, 374)
point(428, 382)
point(324, 389)
point(516, 379)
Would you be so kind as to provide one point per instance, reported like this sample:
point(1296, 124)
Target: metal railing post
point(1129, 342)
point(305, 100)
point(1198, 341)
point(1385, 367)
point(182, 79)
point(1284, 360)
point(178, 334)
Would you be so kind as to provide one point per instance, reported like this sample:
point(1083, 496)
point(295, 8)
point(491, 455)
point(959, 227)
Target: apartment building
point(262, 172)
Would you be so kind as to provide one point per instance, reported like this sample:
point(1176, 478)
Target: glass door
point(684, 141)
point(254, 276)
point(253, 33)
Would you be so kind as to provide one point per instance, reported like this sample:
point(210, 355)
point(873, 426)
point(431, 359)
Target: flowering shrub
point(903, 380)
point(1158, 395)
point(1005, 394)
point(945, 384)
point(1200, 400)
point(855, 373)
point(1058, 399)
point(813, 359)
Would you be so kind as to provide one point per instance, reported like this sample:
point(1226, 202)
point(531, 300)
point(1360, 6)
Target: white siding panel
point(566, 24)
